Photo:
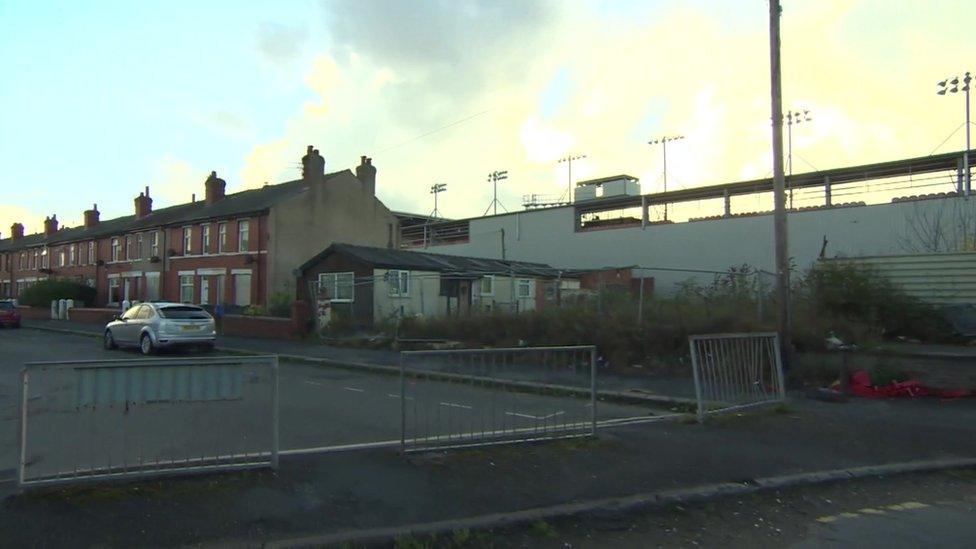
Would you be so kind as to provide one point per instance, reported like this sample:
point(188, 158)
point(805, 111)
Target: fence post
point(403, 405)
point(275, 413)
point(593, 391)
point(695, 365)
point(779, 369)
point(24, 389)
point(640, 302)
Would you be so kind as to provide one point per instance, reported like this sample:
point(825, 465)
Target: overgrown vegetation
point(847, 300)
point(279, 305)
point(42, 293)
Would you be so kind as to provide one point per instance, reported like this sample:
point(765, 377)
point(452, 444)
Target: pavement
point(342, 493)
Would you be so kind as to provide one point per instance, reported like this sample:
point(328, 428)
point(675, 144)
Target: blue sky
point(102, 98)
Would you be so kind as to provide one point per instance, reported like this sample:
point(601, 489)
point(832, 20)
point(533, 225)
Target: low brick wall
point(34, 313)
point(258, 326)
point(92, 316)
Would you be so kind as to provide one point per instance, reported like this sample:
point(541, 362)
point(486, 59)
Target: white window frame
point(32, 261)
point(128, 248)
point(187, 240)
point(205, 238)
point(221, 237)
point(331, 282)
point(91, 252)
point(140, 242)
point(45, 259)
point(523, 284)
point(186, 288)
point(398, 283)
point(154, 245)
point(116, 248)
point(243, 235)
point(491, 284)
point(113, 283)
point(62, 257)
point(73, 254)
point(23, 262)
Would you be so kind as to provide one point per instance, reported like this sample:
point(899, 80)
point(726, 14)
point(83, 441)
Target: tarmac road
point(323, 406)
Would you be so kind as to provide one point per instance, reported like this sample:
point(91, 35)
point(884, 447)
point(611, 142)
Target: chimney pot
point(17, 231)
point(143, 204)
point(50, 225)
point(91, 217)
point(215, 188)
point(366, 174)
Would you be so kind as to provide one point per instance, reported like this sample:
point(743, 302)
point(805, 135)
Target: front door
point(204, 290)
point(464, 297)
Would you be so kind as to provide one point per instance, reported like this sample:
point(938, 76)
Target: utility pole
point(664, 150)
point(569, 182)
point(784, 323)
point(494, 178)
point(943, 88)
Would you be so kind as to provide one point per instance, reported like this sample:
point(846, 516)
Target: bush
point(279, 304)
point(44, 292)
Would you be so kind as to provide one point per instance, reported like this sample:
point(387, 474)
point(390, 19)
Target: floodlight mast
point(569, 183)
point(793, 117)
point(663, 141)
point(494, 178)
point(943, 88)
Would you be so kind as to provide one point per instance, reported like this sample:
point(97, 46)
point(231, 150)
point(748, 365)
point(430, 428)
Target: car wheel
point(146, 344)
point(109, 341)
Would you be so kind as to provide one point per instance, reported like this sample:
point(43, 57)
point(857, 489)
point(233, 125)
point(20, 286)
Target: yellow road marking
point(907, 506)
point(827, 519)
point(871, 511)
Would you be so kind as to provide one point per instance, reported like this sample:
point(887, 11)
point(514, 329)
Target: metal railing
point(736, 371)
point(98, 419)
point(472, 397)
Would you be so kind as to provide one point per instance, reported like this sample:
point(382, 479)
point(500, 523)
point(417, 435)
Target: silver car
point(151, 326)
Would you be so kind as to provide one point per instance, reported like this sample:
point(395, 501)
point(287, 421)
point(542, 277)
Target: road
point(919, 510)
point(321, 406)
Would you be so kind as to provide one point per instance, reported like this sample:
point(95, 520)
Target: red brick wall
point(258, 326)
point(34, 313)
point(92, 316)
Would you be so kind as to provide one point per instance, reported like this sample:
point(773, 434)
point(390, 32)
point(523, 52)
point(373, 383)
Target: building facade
point(235, 249)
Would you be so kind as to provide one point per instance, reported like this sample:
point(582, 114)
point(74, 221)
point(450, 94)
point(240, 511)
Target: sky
point(102, 98)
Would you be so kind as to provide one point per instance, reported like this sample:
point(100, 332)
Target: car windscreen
point(6, 305)
point(184, 313)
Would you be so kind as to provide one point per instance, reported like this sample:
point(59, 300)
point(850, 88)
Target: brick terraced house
point(237, 249)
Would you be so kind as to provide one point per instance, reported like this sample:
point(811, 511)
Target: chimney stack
point(366, 174)
point(50, 225)
point(91, 217)
point(214, 189)
point(17, 231)
point(313, 165)
point(143, 204)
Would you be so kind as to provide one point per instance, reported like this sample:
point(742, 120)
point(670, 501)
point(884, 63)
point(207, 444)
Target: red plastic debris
point(860, 385)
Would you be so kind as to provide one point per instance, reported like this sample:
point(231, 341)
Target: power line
point(431, 132)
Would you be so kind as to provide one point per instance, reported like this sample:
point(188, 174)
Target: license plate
point(190, 328)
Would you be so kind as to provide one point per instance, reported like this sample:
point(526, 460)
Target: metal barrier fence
point(736, 371)
point(471, 397)
point(96, 419)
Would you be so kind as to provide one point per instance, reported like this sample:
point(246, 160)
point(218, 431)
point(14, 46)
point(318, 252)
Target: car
point(153, 326)
point(9, 315)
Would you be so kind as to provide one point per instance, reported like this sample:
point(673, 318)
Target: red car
point(9, 315)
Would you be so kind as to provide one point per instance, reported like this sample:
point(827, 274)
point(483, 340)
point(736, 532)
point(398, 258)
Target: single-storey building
point(372, 284)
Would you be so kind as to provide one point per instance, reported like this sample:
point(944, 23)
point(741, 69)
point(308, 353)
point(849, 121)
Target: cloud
point(174, 181)
point(280, 43)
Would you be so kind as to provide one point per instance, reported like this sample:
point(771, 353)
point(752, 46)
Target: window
point(154, 246)
point(242, 290)
point(113, 290)
point(187, 240)
point(337, 287)
point(23, 262)
point(524, 288)
point(45, 259)
point(243, 230)
point(398, 283)
point(222, 237)
point(139, 246)
point(205, 239)
point(152, 287)
point(32, 260)
point(116, 250)
point(61, 257)
point(73, 255)
point(186, 288)
point(488, 285)
point(91, 252)
point(130, 251)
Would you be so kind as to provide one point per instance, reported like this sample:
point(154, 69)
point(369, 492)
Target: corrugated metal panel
point(937, 278)
point(196, 383)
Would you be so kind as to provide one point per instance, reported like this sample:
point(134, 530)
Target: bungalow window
point(488, 285)
point(398, 283)
point(337, 287)
point(524, 288)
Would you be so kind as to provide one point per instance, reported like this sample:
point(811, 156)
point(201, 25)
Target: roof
point(603, 180)
point(391, 258)
point(243, 202)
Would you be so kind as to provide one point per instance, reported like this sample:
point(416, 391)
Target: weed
point(542, 529)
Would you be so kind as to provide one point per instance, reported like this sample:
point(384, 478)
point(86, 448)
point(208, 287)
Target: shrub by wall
point(43, 292)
